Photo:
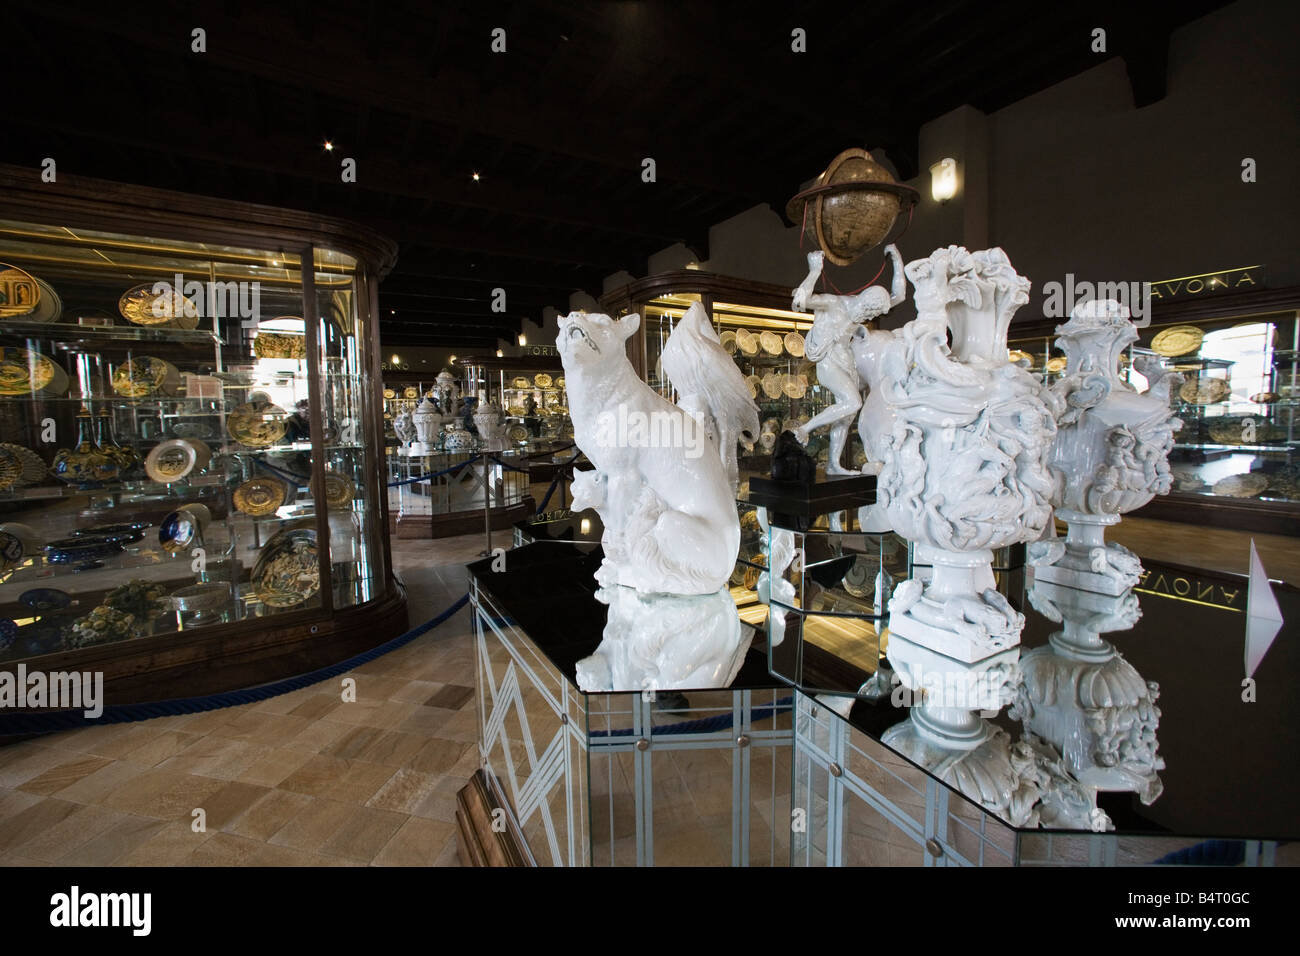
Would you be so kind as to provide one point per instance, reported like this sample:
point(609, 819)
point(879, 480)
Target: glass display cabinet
point(756, 326)
point(529, 390)
point(191, 479)
point(1235, 462)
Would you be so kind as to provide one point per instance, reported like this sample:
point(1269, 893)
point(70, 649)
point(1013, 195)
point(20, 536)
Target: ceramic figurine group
point(972, 453)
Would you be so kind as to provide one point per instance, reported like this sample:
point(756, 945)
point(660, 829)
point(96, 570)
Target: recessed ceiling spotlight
point(329, 147)
point(475, 176)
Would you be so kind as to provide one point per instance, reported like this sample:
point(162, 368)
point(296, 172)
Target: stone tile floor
point(301, 779)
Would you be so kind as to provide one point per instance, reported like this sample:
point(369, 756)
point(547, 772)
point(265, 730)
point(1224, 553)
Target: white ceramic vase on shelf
point(491, 426)
point(427, 421)
point(659, 484)
point(1111, 450)
point(1080, 696)
point(965, 463)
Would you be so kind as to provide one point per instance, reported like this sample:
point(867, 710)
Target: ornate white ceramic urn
point(964, 466)
point(404, 427)
point(490, 424)
point(427, 421)
point(1111, 449)
point(1081, 697)
point(947, 732)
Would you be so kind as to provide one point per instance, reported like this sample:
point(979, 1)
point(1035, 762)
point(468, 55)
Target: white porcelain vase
point(427, 421)
point(1111, 451)
point(1081, 697)
point(964, 467)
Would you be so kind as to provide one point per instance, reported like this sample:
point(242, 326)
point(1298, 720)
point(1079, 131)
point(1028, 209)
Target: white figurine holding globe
point(836, 318)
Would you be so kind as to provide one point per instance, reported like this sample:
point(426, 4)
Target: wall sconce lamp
point(523, 339)
point(943, 179)
point(500, 354)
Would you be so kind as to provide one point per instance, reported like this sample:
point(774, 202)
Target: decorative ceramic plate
point(11, 551)
point(33, 465)
point(860, 579)
point(49, 309)
point(287, 572)
point(182, 527)
point(145, 376)
point(542, 380)
point(1020, 357)
point(390, 394)
point(521, 382)
point(411, 392)
point(747, 341)
point(767, 441)
point(794, 344)
point(772, 385)
point(793, 387)
point(1204, 391)
point(19, 292)
point(23, 372)
point(176, 459)
point(789, 425)
point(141, 305)
point(517, 433)
point(257, 426)
point(1240, 486)
point(1188, 481)
point(771, 342)
point(1177, 340)
point(560, 383)
point(260, 496)
point(728, 341)
point(127, 533)
point(280, 345)
point(1056, 364)
point(11, 468)
point(339, 490)
point(84, 552)
point(753, 381)
point(1265, 398)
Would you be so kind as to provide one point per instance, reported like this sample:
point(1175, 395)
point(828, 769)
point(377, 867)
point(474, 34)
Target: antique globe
point(851, 207)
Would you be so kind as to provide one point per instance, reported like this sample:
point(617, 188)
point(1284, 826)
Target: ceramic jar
point(458, 440)
point(1111, 452)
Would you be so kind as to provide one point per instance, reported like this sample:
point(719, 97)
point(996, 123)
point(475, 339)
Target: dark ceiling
point(557, 126)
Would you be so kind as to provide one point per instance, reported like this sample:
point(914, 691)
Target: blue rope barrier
point(434, 474)
point(546, 499)
point(39, 723)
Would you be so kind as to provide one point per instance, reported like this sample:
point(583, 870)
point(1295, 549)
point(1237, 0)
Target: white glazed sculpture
point(965, 465)
point(772, 583)
point(947, 733)
point(670, 522)
point(428, 421)
point(1111, 450)
point(1079, 695)
point(876, 352)
point(706, 379)
point(837, 317)
point(490, 425)
point(404, 427)
point(666, 642)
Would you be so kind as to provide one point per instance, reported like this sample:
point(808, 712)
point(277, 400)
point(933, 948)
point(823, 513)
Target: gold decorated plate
point(1177, 340)
point(280, 345)
point(257, 426)
point(176, 459)
point(542, 380)
point(1020, 357)
point(19, 292)
point(772, 385)
point(339, 490)
point(792, 387)
point(771, 343)
point(141, 305)
point(261, 496)
point(11, 468)
point(1204, 391)
point(559, 382)
point(753, 381)
point(23, 371)
point(1265, 398)
point(287, 571)
point(794, 344)
point(1056, 365)
point(33, 466)
point(517, 434)
point(728, 341)
point(411, 392)
point(1241, 486)
point(390, 393)
point(519, 381)
point(144, 376)
point(747, 341)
